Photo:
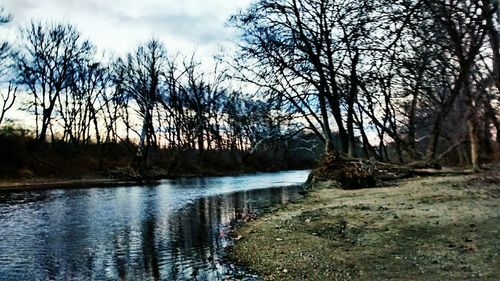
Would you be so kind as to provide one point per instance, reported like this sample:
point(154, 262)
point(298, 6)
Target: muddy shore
point(434, 228)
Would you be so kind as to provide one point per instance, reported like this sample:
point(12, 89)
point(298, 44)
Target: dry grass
point(442, 228)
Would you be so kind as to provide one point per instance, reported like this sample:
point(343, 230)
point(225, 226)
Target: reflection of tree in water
point(199, 231)
point(135, 255)
point(194, 238)
point(121, 245)
point(149, 249)
point(188, 244)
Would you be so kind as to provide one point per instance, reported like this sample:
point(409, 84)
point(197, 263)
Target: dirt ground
point(439, 228)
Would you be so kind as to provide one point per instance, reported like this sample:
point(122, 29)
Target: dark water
point(177, 230)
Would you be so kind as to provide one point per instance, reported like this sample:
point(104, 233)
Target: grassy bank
point(440, 228)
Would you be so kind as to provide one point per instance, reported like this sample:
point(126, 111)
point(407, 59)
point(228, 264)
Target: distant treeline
point(22, 156)
point(397, 81)
point(157, 101)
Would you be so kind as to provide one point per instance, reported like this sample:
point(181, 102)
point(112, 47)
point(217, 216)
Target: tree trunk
point(493, 35)
point(433, 143)
point(141, 158)
point(492, 115)
point(329, 148)
point(353, 93)
point(42, 137)
point(471, 124)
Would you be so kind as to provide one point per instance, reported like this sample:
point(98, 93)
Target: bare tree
point(312, 54)
point(46, 63)
point(80, 107)
point(4, 45)
point(7, 101)
point(465, 33)
point(143, 72)
point(8, 97)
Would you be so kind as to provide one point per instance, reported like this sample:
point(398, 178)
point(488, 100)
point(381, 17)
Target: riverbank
point(437, 228)
point(53, 183)
point(23, 161)
point(123, 176)
point(119, 179)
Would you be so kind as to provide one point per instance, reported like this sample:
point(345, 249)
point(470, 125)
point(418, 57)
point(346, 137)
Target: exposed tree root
point(359, 173)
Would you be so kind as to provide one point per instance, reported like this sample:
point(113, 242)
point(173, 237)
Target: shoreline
point(54, 183)
point(441, 227)
point(99, 181)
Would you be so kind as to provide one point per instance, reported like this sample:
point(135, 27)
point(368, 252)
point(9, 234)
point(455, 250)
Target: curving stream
point(177, 230)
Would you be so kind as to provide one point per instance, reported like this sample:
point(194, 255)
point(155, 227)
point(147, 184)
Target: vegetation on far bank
point(23, 158)
point(435, 228)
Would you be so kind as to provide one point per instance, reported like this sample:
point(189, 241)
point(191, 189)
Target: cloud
point(194, 28)
point(119, 25)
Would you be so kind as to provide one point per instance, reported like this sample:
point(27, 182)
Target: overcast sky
point(119, 25)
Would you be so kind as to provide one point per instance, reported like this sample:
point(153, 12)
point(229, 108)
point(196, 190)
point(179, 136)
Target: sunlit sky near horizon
point(118, 26)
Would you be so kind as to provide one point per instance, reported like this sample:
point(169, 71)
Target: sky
point(118, 26)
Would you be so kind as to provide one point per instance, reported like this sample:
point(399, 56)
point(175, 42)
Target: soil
point(434, 228)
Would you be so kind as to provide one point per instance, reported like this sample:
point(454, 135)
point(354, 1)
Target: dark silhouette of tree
point(46, 64)
point(404, 70)
point(8, 96)
point(398, 81)
point(308, 53)
point(7, 101)
point(4, 45)
point(82, 106)
point(142, 75)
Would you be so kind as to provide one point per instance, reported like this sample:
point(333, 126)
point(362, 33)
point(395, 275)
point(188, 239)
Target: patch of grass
point(431, 231)
point(418, 252)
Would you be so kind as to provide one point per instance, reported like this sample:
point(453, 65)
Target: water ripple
point(175, 231)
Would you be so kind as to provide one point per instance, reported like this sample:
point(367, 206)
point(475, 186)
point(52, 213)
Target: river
point(176, 230)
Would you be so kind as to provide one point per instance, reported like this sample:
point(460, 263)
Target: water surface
point(177, 230)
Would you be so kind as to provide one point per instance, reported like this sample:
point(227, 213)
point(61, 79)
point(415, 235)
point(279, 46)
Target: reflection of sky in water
point(175, 231)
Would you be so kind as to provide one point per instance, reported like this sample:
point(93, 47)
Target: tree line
point(419, 76)
point(403, 80)
point(75, 95)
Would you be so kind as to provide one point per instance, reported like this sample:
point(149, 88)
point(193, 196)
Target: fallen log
point(359, 173)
